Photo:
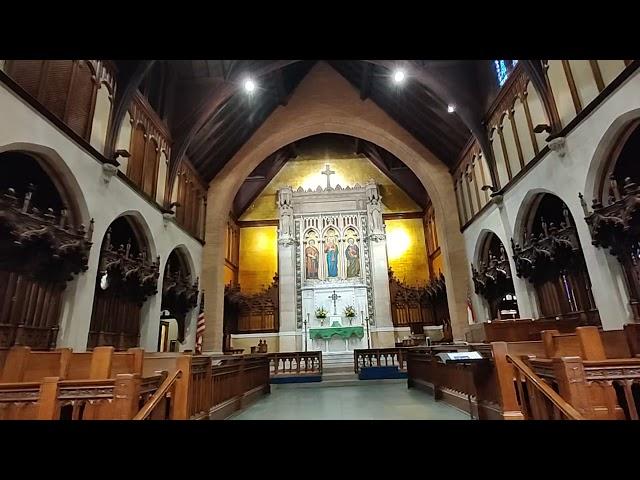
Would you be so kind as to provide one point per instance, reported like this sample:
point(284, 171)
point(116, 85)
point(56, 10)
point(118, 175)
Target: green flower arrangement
point(321, 313)
point(350, 312)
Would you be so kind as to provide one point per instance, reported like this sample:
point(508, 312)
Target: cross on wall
point(328, 172)
point(334, 297)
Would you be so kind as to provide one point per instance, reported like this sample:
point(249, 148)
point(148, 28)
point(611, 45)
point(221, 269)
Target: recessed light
point(398, 76)
point(451, 108)
point(249, 85)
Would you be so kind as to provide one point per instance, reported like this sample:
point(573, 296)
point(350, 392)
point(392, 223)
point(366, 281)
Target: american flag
point(200, 326)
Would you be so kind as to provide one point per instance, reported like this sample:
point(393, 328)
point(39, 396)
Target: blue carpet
point(378, 373)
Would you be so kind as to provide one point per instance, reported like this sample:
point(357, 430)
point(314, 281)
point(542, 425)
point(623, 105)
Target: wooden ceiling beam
point(282, 93)
point(365, 82)
point(204, 110)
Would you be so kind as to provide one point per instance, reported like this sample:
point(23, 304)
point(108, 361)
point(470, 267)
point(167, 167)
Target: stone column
point(287, 272)
point(382, 334)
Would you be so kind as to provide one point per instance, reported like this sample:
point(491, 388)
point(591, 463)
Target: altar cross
point(334, 297)
point(328, 172)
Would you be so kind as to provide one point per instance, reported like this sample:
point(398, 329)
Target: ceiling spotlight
point(451, 108)
point(249, 85)
point(398, 76)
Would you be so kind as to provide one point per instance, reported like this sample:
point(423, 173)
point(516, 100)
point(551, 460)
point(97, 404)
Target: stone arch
point(481, 242)
point(60, 174)
point(324, 102)
point(599, 165)
point(528, 206)
point(142, 231)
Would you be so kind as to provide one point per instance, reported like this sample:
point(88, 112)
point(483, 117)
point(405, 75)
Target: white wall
point(20, 124)
point(565, 177)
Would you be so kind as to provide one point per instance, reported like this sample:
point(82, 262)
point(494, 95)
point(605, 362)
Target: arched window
point(550, 257)
point(126, 278)
point(503, 68)
point(492, 279)
point(615, 221)
point(42, 246)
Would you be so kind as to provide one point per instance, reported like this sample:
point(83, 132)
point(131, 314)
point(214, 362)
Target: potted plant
point(350, 313)
point(321, 314)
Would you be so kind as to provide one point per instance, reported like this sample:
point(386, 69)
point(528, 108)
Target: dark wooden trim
point(597, 74)
point(464, 152)
point(257, 223)
point(516, 137)
point(402, 215)
point(568, 73)
point(505, 152)
point(153, 115)
point(527, 112)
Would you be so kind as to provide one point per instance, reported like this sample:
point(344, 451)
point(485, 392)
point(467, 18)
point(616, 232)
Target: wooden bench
point(23, 365)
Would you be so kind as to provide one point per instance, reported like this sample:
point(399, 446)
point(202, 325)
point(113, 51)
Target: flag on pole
point(471, 317)
point(200, 326)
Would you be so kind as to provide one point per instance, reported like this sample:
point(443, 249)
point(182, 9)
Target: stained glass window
point(503, 69)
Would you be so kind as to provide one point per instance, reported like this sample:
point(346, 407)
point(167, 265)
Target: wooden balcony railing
point(295, 363)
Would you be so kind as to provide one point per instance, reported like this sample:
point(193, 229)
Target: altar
point(332, 265)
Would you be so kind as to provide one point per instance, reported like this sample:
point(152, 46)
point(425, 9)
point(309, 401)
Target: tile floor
point(389, 401)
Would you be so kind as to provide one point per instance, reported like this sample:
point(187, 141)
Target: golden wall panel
point(228, 275)
point(258, 258)
point(407, 251)
point(305, 173)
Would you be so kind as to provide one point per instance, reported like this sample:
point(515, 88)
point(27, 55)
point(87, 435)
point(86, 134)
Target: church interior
point(319, 239)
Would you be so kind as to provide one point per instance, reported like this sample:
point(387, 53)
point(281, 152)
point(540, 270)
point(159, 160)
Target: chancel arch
point(492, 278)
point(325, 103)
point(547, 252)
point(44, 244)
point(127, 275)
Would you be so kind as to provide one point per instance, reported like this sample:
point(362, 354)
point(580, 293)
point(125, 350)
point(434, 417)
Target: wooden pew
point(23, 365)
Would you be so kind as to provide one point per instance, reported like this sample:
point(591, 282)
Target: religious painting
point(311, 256)
point(352, 254)
point(331, 253)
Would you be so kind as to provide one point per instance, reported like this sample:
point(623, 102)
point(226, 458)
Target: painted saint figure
point(311, 260)
point(331, 249)
point(353, 259)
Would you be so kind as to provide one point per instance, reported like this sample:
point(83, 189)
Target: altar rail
point(295, 363)
point(380, 357)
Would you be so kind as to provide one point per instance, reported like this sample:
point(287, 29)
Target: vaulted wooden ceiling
point(210, 116)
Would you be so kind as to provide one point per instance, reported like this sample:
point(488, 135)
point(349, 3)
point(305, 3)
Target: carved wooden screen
point(67, 88)
point(179, 291)
point(615, 220)
point(42, 246)
point(551, 258)
point(126, 278)
point(492, 279)
point(253, 313)
point(426, 305)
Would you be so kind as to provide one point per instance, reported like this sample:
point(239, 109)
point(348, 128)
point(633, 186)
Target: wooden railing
point(471, 388)
point(159, 405)
point(295, 363)
point(537, 400)
point(380, 357)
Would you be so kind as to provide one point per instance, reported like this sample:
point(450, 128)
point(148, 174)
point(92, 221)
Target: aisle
point(369, 401)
